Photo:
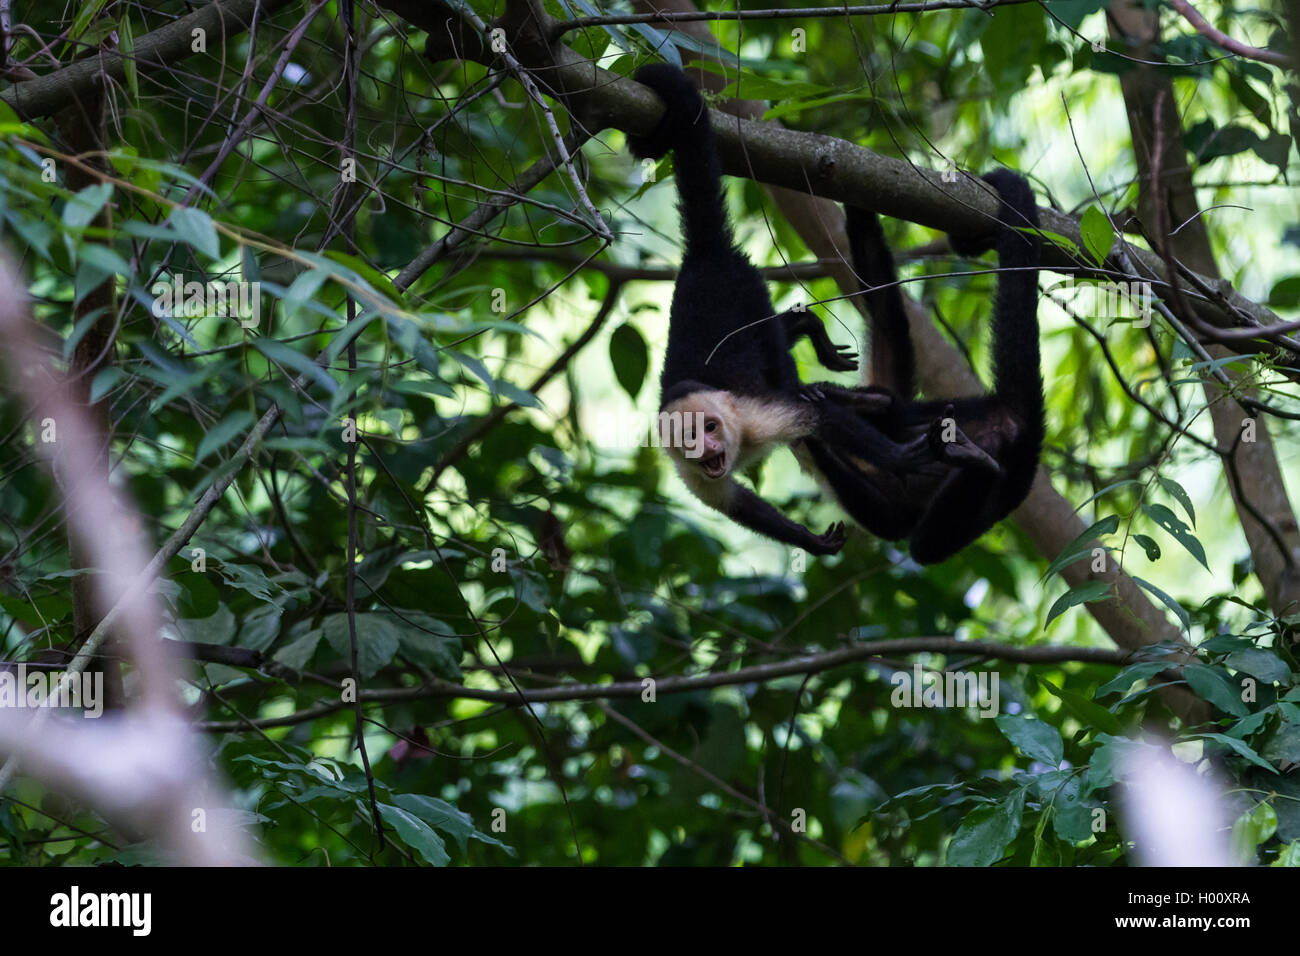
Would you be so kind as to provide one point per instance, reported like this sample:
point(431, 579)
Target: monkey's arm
point(749, 510)
point(835, 358)
point(839, 424)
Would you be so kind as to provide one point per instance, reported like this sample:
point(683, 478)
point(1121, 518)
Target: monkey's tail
point(684, 129)
point(892, 360)
point(1017, 369)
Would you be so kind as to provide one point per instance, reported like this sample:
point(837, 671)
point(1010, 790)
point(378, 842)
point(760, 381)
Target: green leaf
point(1111, 487)
point(1148, 545)
point(1166, 600)
point(1082, 545)
point(630, 357)
point(416, 834)
point(1289, 855)
point(126, 47)
point(250, 579)
point(1098, 233)
point(521, 397)
point(1214, 684)
point(376, 279)
point(282, 354)
point(260, 627)
point(104, 258)
point(1285, 293)
point(1179, 494)
point(81, 209)
point(1174, 526)
point(983, 836)
point(104, 381)
point(1263, 664)
point(223, 432)
point(1073, 12)
point(303, 289)
point(1085, 711)
point(1241, 748)
point(299, 651)
point(427, 641)
point(194, 226)
point(377, 641)
point(1035, 738)
point(1129, 676)
point(478, 368)
point(751, 86)
point(795, 106)
point(441, 815)
point(1085, 593)
point(1107, 760)
point(179, 387)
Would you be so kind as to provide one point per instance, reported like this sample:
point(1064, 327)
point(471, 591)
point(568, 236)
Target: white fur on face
point(684, 429)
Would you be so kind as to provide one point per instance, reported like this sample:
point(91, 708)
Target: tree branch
point(154, 51)
point(759, 673)
point(1218, 37)
point(793, 13)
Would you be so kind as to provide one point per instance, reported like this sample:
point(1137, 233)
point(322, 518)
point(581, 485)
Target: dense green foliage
point(569, 561)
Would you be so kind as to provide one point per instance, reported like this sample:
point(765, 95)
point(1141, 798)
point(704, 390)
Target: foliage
point(543, 549)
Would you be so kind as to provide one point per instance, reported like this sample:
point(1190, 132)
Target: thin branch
point(759, 673)
point(1219, 38)
point(241, 131)
point(794, 13)
point(490, 421)
point(525, 78)
point(478, 220)
point(767, 813)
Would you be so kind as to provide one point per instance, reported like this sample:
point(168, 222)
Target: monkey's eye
point(710, 427)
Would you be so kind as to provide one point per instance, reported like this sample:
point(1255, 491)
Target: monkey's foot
point(949, 443)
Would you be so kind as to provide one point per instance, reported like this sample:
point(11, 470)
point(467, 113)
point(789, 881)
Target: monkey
point(727, 368)
point(985, 449)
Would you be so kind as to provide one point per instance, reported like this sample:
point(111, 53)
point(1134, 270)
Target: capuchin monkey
point(728, 370)
point(985, 448)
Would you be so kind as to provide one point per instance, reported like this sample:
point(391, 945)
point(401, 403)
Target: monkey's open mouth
point(716, 466)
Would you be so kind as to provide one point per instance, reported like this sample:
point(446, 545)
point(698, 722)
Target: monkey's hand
point(831, 542)
point(837, 358)
point(746, 508)
point(868, 400)
point(950, 444)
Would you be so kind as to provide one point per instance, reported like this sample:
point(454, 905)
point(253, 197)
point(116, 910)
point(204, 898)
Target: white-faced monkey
point(728, 364)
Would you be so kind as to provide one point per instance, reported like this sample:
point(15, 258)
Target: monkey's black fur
point(981, 476)
point(718, 292)
point(723, 334)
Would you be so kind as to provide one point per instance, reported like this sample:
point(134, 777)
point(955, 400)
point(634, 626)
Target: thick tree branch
point(806, 162)
point(154, 51)
point(1168, 196)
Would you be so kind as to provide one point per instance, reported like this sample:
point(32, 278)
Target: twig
point(490, 421)
point(475, 222)
point(759, 673)
point(1219, 38)
point(799, 13)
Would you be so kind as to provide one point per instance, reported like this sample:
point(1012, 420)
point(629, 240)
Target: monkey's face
point(709, 440)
